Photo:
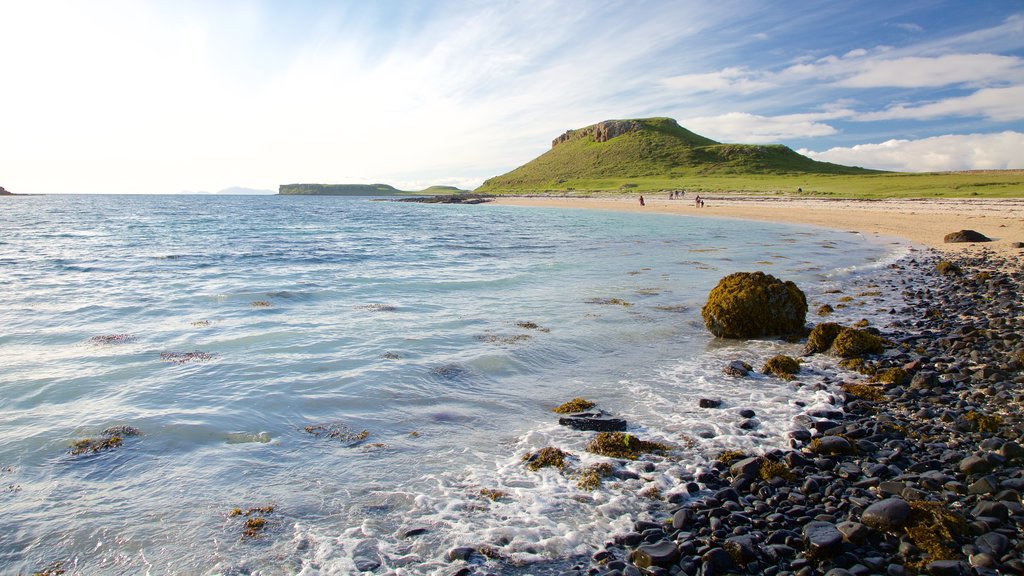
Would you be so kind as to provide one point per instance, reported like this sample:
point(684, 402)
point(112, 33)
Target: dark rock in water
point(975, 465)
point(460, 553)
point(947, 568)
point(886, 515)
point(709, 403)
point(597, 421)
point(718, 559)
point(747, 413)
point(366, 556)
point(742, 549)
point(663, 554)
point(965, 236)
point(833, 445)
point(746, 467)
point(822, 539)
point(737, 368)
point(448, 199)
point(993, 543)
point(410, 531)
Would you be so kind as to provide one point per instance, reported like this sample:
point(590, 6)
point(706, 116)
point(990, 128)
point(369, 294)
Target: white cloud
point(918, 72)
point(742, 127)
point(1000, 104)
point(856, 53)
point(999, 151)
point(909, 27)
point(735, 79)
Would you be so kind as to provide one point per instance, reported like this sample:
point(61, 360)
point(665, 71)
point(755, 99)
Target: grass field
point(988, 183)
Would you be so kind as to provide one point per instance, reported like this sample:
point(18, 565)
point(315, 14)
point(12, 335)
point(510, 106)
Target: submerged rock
point(737, 368)
point(754, 304)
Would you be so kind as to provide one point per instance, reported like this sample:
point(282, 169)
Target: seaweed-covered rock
point(753, 304)
point(621, 445)
point(782, 366)
point(545, 457)
point(574, 405)
point(947, 268)
point(821, 337)
point(965, 236)
point(737, 368)
point(854, 342)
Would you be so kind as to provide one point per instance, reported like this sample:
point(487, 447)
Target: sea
point(330, 385)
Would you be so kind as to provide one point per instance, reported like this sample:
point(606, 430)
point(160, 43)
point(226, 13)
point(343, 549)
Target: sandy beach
point(923, 221)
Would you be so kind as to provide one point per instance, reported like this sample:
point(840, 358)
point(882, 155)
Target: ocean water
point(321, 314)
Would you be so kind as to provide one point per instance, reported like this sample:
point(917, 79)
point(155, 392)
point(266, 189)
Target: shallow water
point(398, 319)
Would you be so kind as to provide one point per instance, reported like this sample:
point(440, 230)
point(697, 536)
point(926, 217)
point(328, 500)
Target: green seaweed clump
point(255, 523)
point(864, 392)
point(754, 304)
point(545, 457)
point(825, 310)
point(771, 470)
point(609, 302)
point(893, 376)
point(94, 445)
point(492, 494)
point(782, 366)
point(936, 529)
point(623, 445)
point(982, 276)
point(253, 526)
point(984, 422)
point(846, 299)
point(728, 456)
point(260, 304)
point(592, 475)
point(947, 268)
point(54, 569)
point(854, 342)
point(574, 405)
point(862, 323)
point(821, 337)
point(532, 326)
point(337, 431)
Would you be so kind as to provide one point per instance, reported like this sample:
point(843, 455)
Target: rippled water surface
point(408, 321)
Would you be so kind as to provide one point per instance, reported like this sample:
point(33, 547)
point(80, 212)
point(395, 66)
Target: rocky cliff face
point(601, 132)
point(3, 191)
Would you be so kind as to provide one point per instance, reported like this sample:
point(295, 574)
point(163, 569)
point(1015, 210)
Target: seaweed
point(574, 405)
point(260, 304)
point(984, 422)
point(201, 323)
point(532, 326)
point(609, 302)
point(492, 494)
point(107, 339)
point(947, 268)
point(255, 523)
point(337, 431)
point(825, 310)
point(54, 569)
point(728, 456)
point(754, 304)
point(546, 457)
point(624, 445)
point(862, 323)
point(378, 307)
point(854, 342)
point(771, 470)
point(864, 392)
point(513, 339)
point(821, 337)
point(936, 529)
point(893, 376)
point(590, 478)
point(186, 357)
point(94, 445)
point(782, 366)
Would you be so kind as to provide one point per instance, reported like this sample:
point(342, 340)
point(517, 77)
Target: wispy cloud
point(939, 153)
point(916, 72)
point(1002, 104)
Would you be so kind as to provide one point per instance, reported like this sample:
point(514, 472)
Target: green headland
point(650, 154)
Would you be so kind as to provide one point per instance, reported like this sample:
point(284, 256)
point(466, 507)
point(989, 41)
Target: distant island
point(362, 190)
point(3, 191)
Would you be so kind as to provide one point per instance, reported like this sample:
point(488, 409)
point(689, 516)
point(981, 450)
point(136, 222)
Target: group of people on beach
point(674, 194)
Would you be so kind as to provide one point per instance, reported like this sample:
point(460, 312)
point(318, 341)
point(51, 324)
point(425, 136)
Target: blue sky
point(162, 96)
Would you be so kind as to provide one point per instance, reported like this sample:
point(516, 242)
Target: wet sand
point(923, 221)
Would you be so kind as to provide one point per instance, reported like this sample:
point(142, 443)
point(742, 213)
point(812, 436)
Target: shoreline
point(923, 222)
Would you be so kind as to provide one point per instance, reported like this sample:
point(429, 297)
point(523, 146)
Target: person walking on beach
point(642, 200)
point(696, 201)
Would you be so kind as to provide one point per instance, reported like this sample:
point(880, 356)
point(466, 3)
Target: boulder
point(821, 337)
point(854, 342)
point(709, 403)
point(822, 539)
point(663, 554)
point(737, 368)
point(965, 236)
point(754, 304)
point(886, 515)
point(595, 420)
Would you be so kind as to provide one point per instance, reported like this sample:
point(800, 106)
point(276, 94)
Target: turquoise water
point(397, 319)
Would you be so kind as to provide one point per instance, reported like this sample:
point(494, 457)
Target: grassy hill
point(618, 153)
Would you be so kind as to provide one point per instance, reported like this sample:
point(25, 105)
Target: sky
point(158, 96)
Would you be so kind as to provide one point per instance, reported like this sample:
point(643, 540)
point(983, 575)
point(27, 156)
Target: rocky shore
point(916, 468)
point(921, 472)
